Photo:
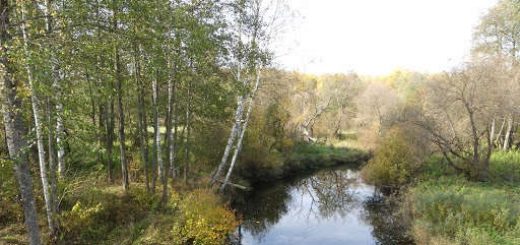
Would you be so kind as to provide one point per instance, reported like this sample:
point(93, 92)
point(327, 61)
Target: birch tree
point(14, 125)
point(35, 103)
point(254, 19)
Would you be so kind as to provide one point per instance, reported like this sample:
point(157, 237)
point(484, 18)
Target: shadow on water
point(329, 207)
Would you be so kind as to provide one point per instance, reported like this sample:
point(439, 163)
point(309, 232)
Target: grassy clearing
point(448, 209)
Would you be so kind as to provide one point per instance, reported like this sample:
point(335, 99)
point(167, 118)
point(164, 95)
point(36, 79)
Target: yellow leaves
point(205, 220)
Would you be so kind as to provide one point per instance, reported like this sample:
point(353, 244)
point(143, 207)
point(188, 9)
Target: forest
point(140, 122)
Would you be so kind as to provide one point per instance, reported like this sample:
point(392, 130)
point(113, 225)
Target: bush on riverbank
point(395, 162)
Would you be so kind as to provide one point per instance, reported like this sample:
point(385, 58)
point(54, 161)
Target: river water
point(327, 208)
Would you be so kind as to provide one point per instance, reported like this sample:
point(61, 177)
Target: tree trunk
point(170, 123)
point(60, 133)
point(110, 125)
point(52, 162)
point(56, 77)
point(233, 134)
point(499, 133)
point(492, 131)
point(38, 128)
point(120, 109)
point(188, 132)
point(122, 138)
point(157, 136)
point(14, 128)
point(509, 130)
point(141, 122)
point(242, 131)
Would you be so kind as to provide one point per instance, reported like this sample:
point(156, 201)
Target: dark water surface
point(327, 208)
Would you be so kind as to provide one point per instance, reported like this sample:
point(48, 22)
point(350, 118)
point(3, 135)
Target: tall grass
point(446, 208)
point(505, 166)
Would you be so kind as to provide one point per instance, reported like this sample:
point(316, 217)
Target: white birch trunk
point(38, 127)
point(56, 76)
point(234, 131)
point(507, 138)
point(15, 130)
point(492, 132)
point(60, 130)
point(172, 123)
point(157, 133)
point(242, 131)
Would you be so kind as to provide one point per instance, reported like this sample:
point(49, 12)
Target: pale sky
point(375, 37)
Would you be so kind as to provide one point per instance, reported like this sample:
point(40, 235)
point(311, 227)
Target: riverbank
point(94, 212)
point(446, 208)
point(303, 158)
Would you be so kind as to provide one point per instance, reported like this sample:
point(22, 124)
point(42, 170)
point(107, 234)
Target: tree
point(14, 125)
point(498, 37)
point(38, 125)
point(458, 111)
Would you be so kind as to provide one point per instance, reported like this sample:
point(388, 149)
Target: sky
point(375, 37)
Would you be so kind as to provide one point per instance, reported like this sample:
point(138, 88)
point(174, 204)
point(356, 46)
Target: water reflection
point(329, 207)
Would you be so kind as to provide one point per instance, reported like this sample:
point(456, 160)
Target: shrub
point(203, 219)
point(395, 162)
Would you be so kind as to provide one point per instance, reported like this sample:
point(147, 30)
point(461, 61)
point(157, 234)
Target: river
point(328, 207)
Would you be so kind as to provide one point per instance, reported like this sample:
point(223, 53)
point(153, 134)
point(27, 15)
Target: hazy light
point(378, 36)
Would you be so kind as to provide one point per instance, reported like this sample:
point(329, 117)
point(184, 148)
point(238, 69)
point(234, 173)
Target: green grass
point(505, 166)
point(449, 209)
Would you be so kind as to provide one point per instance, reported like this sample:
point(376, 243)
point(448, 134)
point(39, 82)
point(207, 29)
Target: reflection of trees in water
point(331, 193)
point(388, 226)
point(262, 209)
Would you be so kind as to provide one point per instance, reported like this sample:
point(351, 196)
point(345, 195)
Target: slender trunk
point(155, 146)
point(15, 130)
point(188, 132)
point(38, 128)
point(231, 139)
point(242, 131)
point(170, 123)
point(122, 136)
point(509, 130)
point(492, 131)
point(110, 125)
point(120, 109)
point(92, 101)
point(174, 168)
point(56, 77)
point(233, 134)
point(60, 133)
point(157, 136)
point(141, 122)
point(52, 162)
point(499, 133)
